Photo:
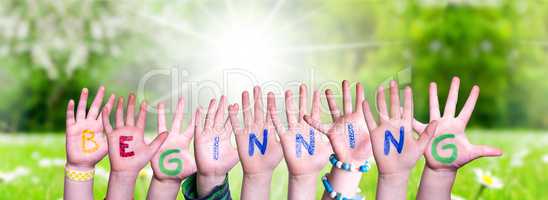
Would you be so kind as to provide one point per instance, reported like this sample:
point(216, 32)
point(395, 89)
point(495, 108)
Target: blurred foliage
point(50, 49)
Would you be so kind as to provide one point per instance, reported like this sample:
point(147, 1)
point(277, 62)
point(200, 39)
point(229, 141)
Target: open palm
point(215, 155)
point(128, 151)
point(85, 142)
point(394, 147)
point(174, 161)
point(449, 147)
point(300, 160)
point(348, 133)
point(259, 128)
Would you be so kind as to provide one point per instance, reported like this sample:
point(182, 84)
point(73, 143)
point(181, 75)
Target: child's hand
point(214, 153)
point(304, 150)
point(86, 144)
point(128, 152)
point(396, 150)
point(174, 161)
point(258, 148)
point(449, 149)
point(348, 133)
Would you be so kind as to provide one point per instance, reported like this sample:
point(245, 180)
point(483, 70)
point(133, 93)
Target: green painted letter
point(452, 147)
point(179, 162)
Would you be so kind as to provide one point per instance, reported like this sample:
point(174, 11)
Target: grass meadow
point(38, 161)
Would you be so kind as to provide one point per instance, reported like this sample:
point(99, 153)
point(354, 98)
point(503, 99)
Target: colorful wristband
point(79, 175)
point(348, 166)
point(337, 195)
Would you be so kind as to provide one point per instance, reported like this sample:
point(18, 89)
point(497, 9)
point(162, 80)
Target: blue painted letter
point(388, 137)
point(351, 136)
point(254, 141)
point(216, 148)
point(300, 141)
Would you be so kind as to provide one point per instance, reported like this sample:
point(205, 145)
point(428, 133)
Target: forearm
point(392, 186)
point(256, 186)
point(121, 185)
point(302, 186)
point(436, 184)
point(163, 189)
point(78, 189)
point(207, 183)
point(344, 182)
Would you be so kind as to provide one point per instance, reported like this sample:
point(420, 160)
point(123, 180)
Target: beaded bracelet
point(337, 195)
point(76, 175)
point(348, 166)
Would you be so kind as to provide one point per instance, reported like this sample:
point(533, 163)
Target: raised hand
point(214, 153)
point(258, 149)
point(174, 160)
point(85, 142)
point(304, 149)
point(450, 148)
point(347, 133)
point(128, 152)
point(396, 150)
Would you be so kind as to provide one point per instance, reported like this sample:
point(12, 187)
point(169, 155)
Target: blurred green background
point(50, 50)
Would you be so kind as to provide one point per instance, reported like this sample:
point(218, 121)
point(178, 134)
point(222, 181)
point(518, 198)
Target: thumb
point(479, 151)
point(427, 135)
point(155, 145)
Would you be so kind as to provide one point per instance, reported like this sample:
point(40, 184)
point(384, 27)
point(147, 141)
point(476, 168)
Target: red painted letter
point(124, 146)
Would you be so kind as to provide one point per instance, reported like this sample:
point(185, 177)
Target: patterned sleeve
point(190, 192)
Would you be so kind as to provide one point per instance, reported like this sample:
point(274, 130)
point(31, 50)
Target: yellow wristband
point(79, 175)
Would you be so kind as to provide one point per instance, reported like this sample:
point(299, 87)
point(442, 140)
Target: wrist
point(303, 178)
point(344, 182)
point(302, 186)
point(79, 167)
point(209, 180)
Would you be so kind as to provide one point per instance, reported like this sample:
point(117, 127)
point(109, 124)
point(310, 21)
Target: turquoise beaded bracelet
point(348, 166)
point(337, 195)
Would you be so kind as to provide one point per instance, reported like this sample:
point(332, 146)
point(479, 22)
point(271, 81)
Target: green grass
point(528, 181)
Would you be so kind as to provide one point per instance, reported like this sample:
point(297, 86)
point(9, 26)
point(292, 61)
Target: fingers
point(452, 98)
point(142, 118)
point(290, 109)
point(468, 108)
point(394, 100)
point(233, 116)
point(335, 113)
point(155, 145)
point(178, 117)
point(381, 104)
point(426, 136)
point(303, 95)
point(418, 126)
point(246, 109)
point(359, 96)
point(130, 115)
point(315, 106)
point(271, 104)
point(70, 112)
point(347, 98)
point(219, 120)
point(485, 151)
point(408, 104)
point(96, 105)
point(120, 112)
point(198, 129)
point(191, 126)
point(105, 114)
point(258, 105)
point(81, 110)
point(161, 117)
point(433, 101)
point(371, 124)
point(316, 124)
point(210, 112)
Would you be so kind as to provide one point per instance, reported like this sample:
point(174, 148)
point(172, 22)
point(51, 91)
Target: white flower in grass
point(11, 176)
point(486, 179)
point(102, 173)
point(456, 197)
point(545, 158)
